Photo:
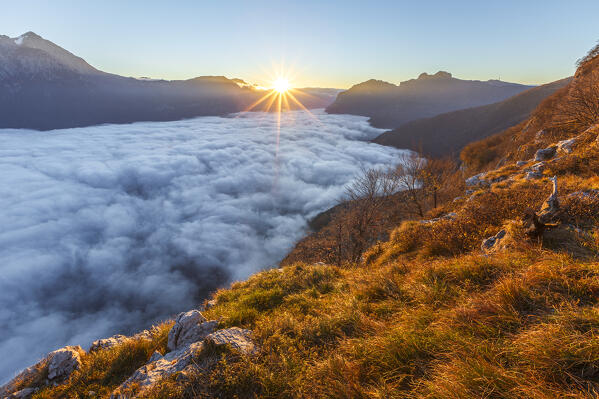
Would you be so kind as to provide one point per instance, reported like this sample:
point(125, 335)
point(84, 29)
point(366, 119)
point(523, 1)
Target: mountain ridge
point(390, 106)
point(446, 134)
point(44, 87)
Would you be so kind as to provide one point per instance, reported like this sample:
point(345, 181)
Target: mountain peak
point(438, 75)
point(32, 40)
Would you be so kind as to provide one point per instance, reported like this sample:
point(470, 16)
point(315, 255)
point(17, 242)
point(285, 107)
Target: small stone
point(545, 154)
point(566, 145)
point(107, 343)
point(476, 180)
point(541, 134)
point(491, 243)
point(551, 206)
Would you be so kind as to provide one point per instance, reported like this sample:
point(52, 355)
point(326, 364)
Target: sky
point(334, 43)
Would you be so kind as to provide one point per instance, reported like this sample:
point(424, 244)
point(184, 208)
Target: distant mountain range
point(43, 86)
point(390, 106)
point(448, 133)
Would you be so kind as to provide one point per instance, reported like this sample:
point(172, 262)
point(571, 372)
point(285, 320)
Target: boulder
point(492, 243)
point(545, 153)
point(189, 327)
point(521, 163)
point(63, 362)
point(53, 369)
point(237, 338)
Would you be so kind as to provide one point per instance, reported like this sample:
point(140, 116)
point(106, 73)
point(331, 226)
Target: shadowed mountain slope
point(390, 106)
point(448, 133)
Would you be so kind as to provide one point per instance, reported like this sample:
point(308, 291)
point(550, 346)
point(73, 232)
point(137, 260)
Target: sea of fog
point(107, 229)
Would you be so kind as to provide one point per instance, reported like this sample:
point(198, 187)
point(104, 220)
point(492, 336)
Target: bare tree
point(409, 174)
point(367, 196)
point(581, 108)
point(436, 177)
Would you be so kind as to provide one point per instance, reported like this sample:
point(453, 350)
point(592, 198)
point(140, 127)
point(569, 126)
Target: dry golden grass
point(102, 371)
point(425, 314)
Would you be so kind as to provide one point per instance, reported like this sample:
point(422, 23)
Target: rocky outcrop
point(63, 362)
point(187, 341)
point(189, 327)
point(53, 369)
point(157, 368)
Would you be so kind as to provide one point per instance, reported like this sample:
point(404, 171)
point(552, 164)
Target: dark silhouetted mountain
point(448, 133)
point(390, 106)
point(43, 86)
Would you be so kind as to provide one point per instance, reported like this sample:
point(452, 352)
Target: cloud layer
point(107, 229)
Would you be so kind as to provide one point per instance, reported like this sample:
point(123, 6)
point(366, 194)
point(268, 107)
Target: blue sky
point(325, 43)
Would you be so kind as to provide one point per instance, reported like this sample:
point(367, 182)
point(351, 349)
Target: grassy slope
point(426, 315)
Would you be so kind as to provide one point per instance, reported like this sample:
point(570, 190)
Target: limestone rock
point(492, 243)
point(107, 343)
point(184, 359)
point(566, 145)
point(535, 171)
point(53, 369)
point(545, 154)
point(551, 206)
point(447, 216)
point(476, 180)
point(189, 327)
point(239, 339)
point(585, 194)
point(63, 362)
point(155, 370)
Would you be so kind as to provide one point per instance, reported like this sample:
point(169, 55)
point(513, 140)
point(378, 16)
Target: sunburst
point(278, 97)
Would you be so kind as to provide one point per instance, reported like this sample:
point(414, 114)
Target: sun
point(281, 85)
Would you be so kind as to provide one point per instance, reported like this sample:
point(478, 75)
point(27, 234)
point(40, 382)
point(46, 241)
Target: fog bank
point(107, 229)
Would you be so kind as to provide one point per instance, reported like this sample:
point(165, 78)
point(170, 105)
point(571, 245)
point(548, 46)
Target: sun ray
point(259, 101)
point(271, 101)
